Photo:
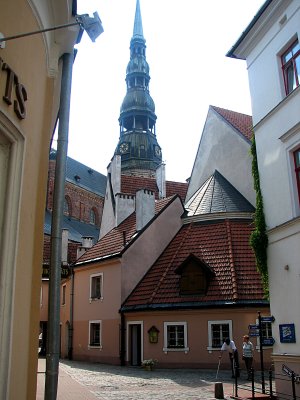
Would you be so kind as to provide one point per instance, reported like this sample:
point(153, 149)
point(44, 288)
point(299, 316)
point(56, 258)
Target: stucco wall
point(198, 356)
point(220, 143)
point(147, 248)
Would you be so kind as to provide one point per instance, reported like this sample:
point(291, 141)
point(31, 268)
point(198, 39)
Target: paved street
point(88, 381)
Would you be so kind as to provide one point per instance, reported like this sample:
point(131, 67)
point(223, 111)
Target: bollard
point(219, 392)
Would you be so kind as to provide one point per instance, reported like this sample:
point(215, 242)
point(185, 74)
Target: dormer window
point(195, 276)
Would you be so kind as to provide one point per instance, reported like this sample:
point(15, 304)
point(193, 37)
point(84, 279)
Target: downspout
point(70, 342)
point(53, 344)
point(122, 341)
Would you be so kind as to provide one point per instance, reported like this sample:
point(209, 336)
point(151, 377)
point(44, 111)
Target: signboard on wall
point(287, 333)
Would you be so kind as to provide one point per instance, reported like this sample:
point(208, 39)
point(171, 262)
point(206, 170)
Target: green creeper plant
point(259, 238)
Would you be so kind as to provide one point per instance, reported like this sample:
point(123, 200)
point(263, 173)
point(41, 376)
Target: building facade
point(270, 46)
point(30, 81)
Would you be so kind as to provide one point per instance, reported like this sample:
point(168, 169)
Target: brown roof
point(119, 237)
point(131, 184)
point(241, 122)
point(224, 247)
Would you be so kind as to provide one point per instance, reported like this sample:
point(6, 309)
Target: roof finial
point(138, 26)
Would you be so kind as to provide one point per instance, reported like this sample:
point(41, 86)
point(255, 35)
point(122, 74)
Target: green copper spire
point(138, 147)
point(138, 26)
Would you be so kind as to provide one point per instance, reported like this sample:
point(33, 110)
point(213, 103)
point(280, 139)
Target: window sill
point(209, 348)
point(95, 299)
point(182, 349)
point(90, 347)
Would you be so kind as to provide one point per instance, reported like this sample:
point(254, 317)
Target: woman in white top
point(248, 351)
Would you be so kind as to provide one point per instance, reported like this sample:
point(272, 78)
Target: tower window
point(142, 151)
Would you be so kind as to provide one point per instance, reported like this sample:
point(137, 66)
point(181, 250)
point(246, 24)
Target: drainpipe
point(70, 344)
point(53, 343)
point(122, 344)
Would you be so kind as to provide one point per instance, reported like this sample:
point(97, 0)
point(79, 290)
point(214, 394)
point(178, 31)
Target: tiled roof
point(217, 195)
point(131, 184)
point(83, 176)
point(119, 237)
point(224, 247)
point(241, 122)
point(76, 228)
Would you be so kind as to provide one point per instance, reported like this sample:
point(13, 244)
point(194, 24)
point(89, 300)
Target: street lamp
point(92, 26)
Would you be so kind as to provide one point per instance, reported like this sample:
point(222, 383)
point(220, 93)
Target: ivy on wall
point(259, 238)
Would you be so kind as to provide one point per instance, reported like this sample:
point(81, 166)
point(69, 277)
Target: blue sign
point(268, 319)
point(287, 333)
point(253, 326)
point(268, 341)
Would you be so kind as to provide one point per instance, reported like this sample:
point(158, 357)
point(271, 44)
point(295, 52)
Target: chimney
point(144, 207)
point(86, 243)
point(160, 175)
point(64, 246)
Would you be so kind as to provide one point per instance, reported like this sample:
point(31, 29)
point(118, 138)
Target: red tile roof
point(224, 246)
point(241, 122)
point(131, 184)
point(119, 237)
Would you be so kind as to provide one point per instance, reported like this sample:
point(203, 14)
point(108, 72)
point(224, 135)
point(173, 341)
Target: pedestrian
point(230, 347)
point(248, 350)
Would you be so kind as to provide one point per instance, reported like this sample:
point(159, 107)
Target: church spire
point(138, 26)
point(138, 147)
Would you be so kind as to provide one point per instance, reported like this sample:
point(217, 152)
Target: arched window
point(67, 206)
point(94, 216)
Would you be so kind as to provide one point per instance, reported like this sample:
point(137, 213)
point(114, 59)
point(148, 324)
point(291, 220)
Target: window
point(218, 331)
point(266, 330)
point(175, 336)
point(63, 295)
point(297, 169)
point(94, 333)
point(67, 206)
point(291, 67)
point(96, 286)
point(92, 217)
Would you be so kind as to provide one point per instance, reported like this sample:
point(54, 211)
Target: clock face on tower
point(157, 151)
point(123, 147)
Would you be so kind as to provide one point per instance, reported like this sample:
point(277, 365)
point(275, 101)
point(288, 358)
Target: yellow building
point(30, 81)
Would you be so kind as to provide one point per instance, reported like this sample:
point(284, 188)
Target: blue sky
point(186, 45)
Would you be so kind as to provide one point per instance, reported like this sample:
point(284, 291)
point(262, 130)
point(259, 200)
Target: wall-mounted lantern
point(153, 334)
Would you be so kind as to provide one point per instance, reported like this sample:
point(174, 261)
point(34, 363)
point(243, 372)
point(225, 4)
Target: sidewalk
point(68, 388)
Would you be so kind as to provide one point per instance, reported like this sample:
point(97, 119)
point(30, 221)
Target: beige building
point(30, 81)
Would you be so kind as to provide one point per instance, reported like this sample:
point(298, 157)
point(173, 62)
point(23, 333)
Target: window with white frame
point(218, 331)
point(290, 61)
point(63, 295)
point(175, 336)
point(94, 333)
point(297, 170)
point(96, 286)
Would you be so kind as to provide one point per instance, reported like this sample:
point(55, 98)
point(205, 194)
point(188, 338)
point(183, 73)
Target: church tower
point(140, 153)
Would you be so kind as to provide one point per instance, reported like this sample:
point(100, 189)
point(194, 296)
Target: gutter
point(262, 9)
point(195, 305)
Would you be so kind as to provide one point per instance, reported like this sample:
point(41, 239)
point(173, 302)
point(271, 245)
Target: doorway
point(135, 344)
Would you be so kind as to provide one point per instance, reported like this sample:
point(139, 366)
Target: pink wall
point(198, 355)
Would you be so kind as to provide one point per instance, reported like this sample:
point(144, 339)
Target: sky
point(187, 42)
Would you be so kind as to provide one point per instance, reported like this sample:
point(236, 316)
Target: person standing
point(230, 347)
point(248, 351)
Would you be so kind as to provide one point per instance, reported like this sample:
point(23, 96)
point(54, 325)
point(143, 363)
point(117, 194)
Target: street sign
point(253, 330)
point(268, 342)
point(268, 319)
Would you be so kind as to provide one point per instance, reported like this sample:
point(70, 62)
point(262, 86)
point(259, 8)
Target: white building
point(270, 46)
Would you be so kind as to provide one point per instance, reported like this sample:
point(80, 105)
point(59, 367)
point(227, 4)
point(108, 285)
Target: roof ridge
point(169, 265)
point(231, 262)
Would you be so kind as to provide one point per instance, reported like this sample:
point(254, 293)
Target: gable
point(224, 148)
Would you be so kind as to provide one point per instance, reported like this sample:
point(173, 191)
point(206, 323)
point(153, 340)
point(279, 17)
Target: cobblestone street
point(106, 382)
